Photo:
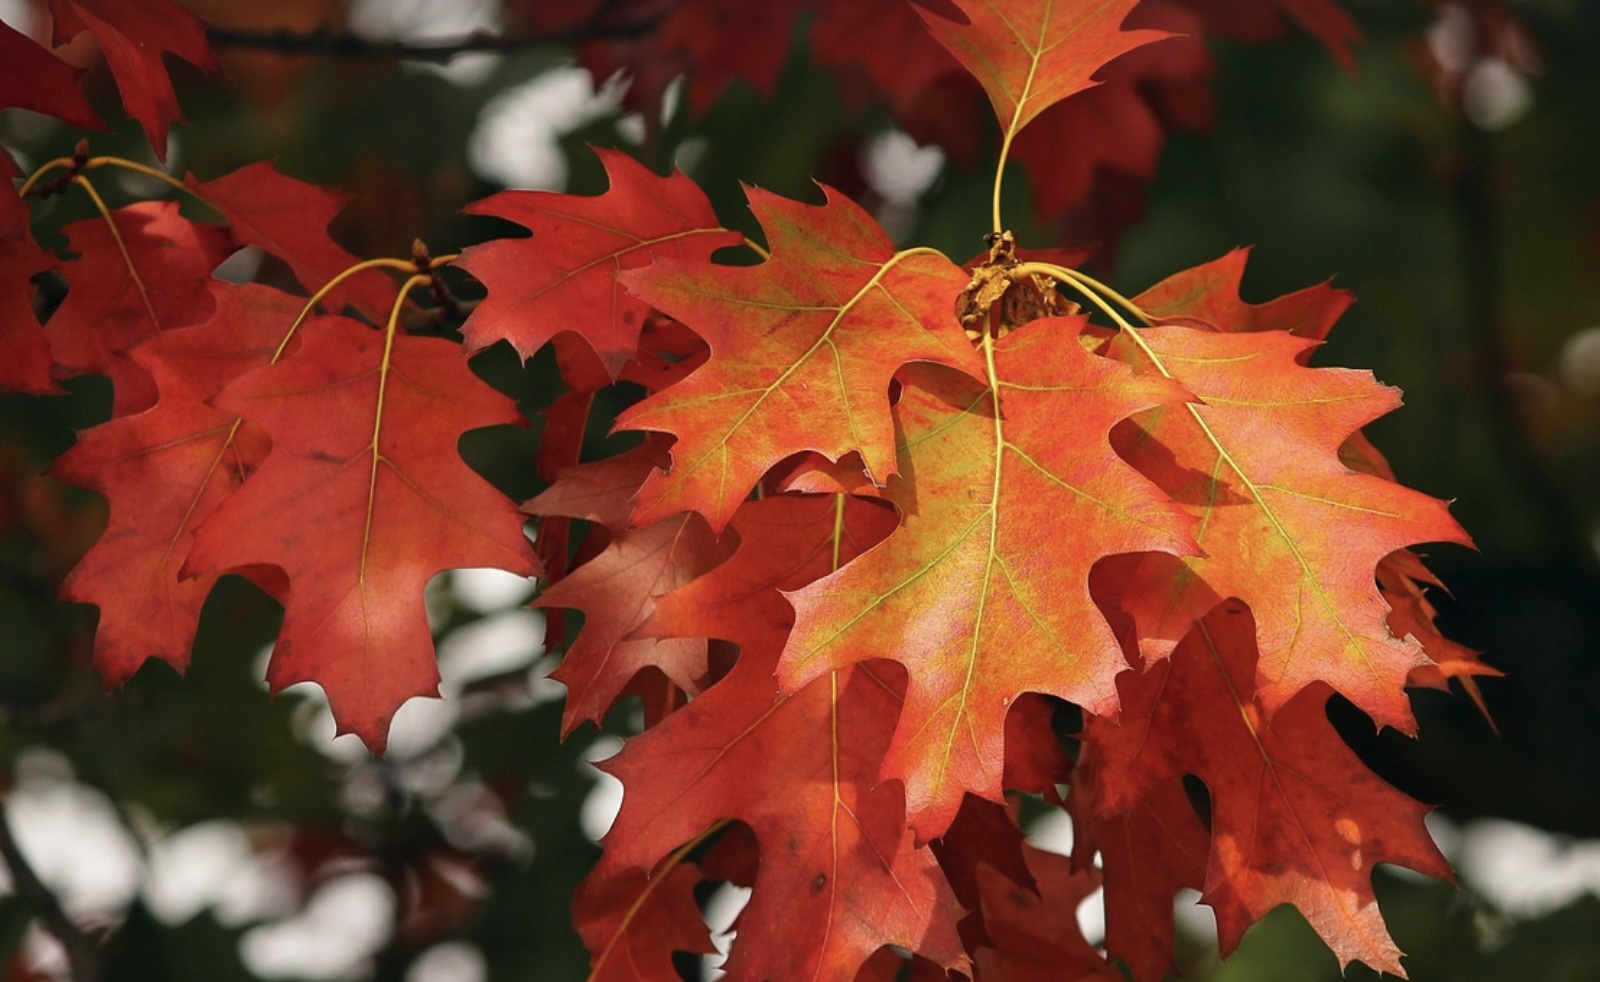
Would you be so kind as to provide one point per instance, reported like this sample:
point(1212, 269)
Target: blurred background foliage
point(1451, 184)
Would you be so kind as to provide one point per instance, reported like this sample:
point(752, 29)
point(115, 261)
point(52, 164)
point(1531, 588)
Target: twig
point(344, 45)
point(83, 954)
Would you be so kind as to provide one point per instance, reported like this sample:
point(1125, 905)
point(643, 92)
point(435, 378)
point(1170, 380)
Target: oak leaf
point(362, 499)
point(564, 278)
point(1033, 930)
point(1285, 526)
point(839, 875)
point(288, 218)
point(633, 923)
point(27, 365)
point(33, 78)
point(163, 471)
point(134, 34)
point(803, 347)
point(983, 591)
point(1296, 817)
point(618, 589)
point(149, 275)
point(1029, 56)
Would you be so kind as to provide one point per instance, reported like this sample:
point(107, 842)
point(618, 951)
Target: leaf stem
point(122, 247)
point(402, 265)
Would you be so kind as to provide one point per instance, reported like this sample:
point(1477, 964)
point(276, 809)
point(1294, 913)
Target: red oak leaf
point(839, 875)
point(802, 350)
point(134, 34)
point(163, 471)
point(1033, 932)
point(1209, 293)
point(362, 500)
point(633, 923)
point(33, 78)
point(564, 278)
point(785, 542)
point(617, 591)
point(983, 591)
point(152, 275)
point(1295, 816)
point(289, 219)
point(27, 364)
point(1029, 56)
point(1117, 125)
point(1285, 526)
point(1148, 853)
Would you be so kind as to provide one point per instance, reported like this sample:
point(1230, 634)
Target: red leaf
point(839, 874)
point(1295, 816)
point(151, 276)
point(163, 471)
point(362, 500)
point(564, 278)
point(802, 350)
point(617, 591)
point(289, 219)
point(633, 923)
point(1034, 933)
point(134, 34)
point(1029, 56)
point(33, 78)
point(27, 364)
point(970, 594)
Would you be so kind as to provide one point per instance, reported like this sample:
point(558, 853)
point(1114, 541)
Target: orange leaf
point(361, 501)
point(1029, 55)
point(1285, 525)
point(983, 592)
point(802, 350)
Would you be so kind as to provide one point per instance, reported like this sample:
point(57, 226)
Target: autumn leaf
point(33, 78)
point(1209, 293)
point(148, 276)
point(163, 471)
point(617, 591)
point(1285, 526)
point(27, 365)
point(134, 34)
point(784, 542)
point(1033, 930)
point(839, 875)
point(1295, 816)
point(289, 218)
point(362, 500)
point(1029, 56)
point(564, 278)
point(802, 350)
point(633, 923)
point(983, 592)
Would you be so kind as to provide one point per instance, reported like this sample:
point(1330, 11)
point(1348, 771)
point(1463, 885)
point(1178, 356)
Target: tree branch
point(83, 954)
point(345, 45)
